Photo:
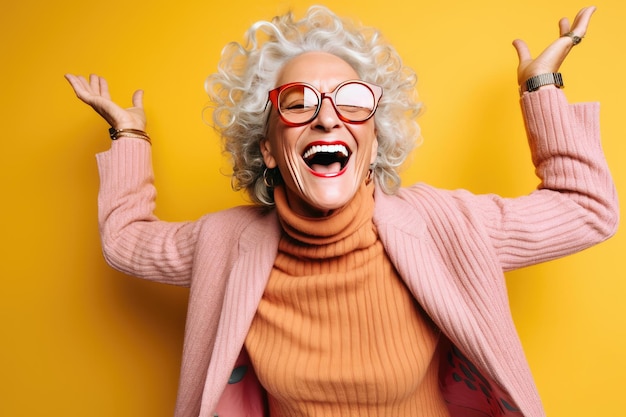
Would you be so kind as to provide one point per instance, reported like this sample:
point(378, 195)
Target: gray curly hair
point(239, 91)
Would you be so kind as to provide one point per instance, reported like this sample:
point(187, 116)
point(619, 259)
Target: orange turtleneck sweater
point(337, 333)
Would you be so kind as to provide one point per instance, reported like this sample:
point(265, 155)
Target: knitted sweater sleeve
point(134, 240)
point(575, 205)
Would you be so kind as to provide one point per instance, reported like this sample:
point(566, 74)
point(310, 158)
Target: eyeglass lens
point(353, 101)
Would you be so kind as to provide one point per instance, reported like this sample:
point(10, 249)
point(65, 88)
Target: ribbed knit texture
point(448, 247)
point(337, 333)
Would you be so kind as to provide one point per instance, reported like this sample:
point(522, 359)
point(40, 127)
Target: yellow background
point(79, 339)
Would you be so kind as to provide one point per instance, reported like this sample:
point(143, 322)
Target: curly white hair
point(239, 91)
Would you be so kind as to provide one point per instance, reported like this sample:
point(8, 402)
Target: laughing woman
point(338, 293)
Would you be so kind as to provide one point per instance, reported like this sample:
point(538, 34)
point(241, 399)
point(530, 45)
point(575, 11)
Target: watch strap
point(533, 83)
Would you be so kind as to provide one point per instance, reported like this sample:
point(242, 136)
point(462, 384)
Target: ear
point(266, 151)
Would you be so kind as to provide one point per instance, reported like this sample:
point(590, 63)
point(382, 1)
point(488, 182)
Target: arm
point(134, 241)
point(576, 203)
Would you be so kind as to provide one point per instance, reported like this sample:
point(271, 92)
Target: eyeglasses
point(298, 103)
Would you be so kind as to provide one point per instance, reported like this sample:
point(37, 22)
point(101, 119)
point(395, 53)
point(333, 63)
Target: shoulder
point(407, 210)
point(422, 206)
point(240, 224)
point(239, 217)
point(420, 197)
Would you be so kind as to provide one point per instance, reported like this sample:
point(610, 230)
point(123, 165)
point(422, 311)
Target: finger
point(581, 22)
point(585, 13)
point(94, 84)
point(523, 53)
point(104, 88)
point(564, 26)
point(80, 86)
point(76, 81)
point(138, 99)
point(73, 80)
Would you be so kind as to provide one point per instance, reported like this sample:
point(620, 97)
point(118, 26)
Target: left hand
point(552, 57)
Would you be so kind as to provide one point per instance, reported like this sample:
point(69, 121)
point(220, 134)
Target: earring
point(268, 180)
point(370, 174)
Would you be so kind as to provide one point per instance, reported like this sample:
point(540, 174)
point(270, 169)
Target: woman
point(338, 293)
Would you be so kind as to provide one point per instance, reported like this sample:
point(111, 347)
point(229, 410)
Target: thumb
point(523, 53)
point(138, 99)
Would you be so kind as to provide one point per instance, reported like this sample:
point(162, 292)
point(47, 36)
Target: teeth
point(326, 149)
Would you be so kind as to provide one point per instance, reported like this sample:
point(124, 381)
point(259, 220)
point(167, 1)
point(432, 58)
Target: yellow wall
point(79, 339)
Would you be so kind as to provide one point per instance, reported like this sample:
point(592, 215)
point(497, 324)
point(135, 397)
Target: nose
point(327, 117)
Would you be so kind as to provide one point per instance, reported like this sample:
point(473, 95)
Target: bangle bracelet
point(533, 83)
point(129, 133)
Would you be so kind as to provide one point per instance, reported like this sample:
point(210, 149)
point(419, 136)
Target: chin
point(329, 203)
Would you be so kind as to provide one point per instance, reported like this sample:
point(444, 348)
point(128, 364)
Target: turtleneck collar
point(339, 225)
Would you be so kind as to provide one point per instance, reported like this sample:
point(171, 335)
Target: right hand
point(95, 93)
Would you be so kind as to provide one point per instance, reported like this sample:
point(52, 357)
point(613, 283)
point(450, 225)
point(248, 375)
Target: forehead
point(320, 69)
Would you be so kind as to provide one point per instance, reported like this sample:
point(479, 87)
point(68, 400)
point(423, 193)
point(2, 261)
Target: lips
point(327, 159)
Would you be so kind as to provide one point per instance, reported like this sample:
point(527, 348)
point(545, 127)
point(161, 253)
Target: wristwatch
point(533, 83)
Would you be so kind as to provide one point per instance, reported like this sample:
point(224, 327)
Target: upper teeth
point(326, 149)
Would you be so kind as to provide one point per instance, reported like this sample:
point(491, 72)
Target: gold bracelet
point(133, 133)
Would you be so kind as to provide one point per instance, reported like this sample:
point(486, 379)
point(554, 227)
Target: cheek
point(367, 140)
point(374, 149)
point(281, 144)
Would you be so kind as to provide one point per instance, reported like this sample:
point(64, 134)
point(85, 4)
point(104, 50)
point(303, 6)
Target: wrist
point(534, 83)
point(129, 133)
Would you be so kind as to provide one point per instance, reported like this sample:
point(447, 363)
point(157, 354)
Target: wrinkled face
point(323, 163)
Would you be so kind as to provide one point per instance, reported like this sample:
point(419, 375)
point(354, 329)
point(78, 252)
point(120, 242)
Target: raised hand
point(95, 93)
point(554, 54)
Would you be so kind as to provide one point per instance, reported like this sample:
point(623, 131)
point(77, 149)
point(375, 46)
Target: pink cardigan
point(450, 247)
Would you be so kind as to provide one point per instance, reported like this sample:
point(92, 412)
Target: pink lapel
point(258, 247)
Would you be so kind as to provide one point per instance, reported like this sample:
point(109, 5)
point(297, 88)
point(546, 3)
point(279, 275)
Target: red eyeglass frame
point(376, 90)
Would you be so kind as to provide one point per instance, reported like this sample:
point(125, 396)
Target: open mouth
point(328, 159)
